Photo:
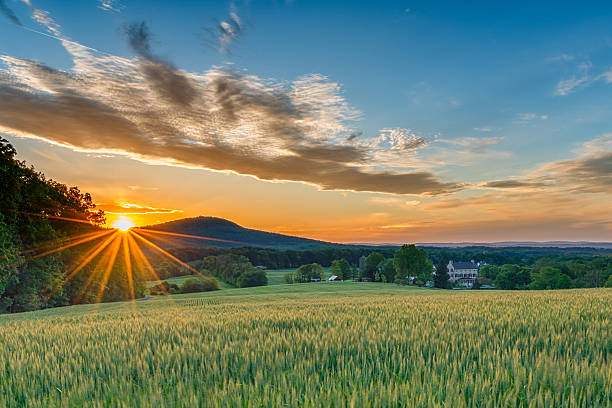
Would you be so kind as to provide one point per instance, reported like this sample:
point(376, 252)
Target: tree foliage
point(411, 261)
point(30, 210)
point(341, 268)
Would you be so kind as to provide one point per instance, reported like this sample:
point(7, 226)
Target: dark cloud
point(162, 76)
point(414, 143)
point(591, 173)
point(512, 184)
point(354, 136)
point(8, 13)
point(139, 39)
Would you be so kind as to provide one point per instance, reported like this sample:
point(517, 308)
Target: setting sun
point(123, 224)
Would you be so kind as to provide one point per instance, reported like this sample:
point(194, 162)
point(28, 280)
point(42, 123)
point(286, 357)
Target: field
point(277, 276)
point(332, 344)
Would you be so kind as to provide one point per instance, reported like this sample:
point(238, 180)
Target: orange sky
point(149, 194)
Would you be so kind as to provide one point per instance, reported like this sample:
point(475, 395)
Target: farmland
point(328, 344)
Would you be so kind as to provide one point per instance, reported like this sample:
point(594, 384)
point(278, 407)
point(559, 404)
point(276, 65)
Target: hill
point(225, 233)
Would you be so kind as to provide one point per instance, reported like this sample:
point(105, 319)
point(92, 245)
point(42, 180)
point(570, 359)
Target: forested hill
point(224, 230)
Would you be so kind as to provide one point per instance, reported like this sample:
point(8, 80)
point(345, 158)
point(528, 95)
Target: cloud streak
point(8, 13)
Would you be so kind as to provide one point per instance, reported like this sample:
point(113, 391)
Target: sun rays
point(122, 246)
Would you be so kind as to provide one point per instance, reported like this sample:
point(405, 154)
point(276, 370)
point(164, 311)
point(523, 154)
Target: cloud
point(162, 77)
point(134, 209)
point(224, 33)
point(394, 202)
point(607, 76)
point(590, 172)
point(505, 184)
point(8, 13)
point(582, 80)
point(483, 129)
point(527, 117)
point(221, 120)
point(109, 5)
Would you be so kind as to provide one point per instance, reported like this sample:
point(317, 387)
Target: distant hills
point(527, 244)
point(224, 230)
point(225, 233)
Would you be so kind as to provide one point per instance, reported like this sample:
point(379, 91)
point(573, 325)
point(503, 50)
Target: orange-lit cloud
point(134, 209)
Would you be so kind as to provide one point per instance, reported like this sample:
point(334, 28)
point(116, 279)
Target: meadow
point(326, 344)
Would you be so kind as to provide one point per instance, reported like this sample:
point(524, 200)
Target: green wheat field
point(313, 345)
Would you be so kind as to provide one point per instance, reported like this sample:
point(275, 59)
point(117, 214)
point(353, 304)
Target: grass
point(180, 280)
point(326, 344)
point(275, 277)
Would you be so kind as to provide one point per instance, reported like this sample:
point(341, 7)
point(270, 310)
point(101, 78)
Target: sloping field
point(329, 344)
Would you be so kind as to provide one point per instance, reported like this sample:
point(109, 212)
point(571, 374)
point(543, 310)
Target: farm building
point(462, 273)
point(334, 278)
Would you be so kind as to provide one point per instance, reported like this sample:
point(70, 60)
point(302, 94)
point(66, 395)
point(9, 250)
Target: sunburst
point(124, 238)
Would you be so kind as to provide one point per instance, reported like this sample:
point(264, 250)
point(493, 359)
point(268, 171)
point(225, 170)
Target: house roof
point(464, 265)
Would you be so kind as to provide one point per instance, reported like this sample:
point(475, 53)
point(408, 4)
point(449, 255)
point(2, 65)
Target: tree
point(512, 277)
point(199, 284)
point(411, 261)
point(441, 276)
point(341, 268)
point(371, 264)
point(387, 270)
point(32, 206)
point(550, 278)
point(488, 272)
point(305, 273)
point(252, 278)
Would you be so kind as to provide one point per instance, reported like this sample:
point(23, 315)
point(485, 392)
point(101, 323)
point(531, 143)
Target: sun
point(123, 224)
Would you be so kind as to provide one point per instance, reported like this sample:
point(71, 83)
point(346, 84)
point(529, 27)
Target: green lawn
point(325, 344)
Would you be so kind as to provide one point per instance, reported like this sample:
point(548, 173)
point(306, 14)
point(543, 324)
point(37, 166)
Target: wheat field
point(313, 345)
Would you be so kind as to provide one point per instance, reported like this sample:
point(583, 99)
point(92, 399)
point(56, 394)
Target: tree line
point(30, 208)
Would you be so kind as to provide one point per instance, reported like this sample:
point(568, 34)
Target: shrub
point(201, 284)
point(252, 278)
point(164, 288)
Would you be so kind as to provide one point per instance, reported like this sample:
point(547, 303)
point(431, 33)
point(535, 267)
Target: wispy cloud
point(221, 120)
point(225, 32)
point(530, 116)
point(9, 13)
point(583, 79)
point(109, 5)
point(134, 209)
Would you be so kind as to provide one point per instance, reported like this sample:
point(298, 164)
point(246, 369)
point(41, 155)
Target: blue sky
point(472, 93)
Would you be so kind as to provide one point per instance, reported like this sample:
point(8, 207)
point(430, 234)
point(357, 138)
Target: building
point(462, 273)
point(334, 278)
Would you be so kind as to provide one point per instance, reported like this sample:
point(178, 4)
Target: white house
point(462, 273)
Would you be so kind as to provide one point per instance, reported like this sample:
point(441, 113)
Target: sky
point(357, 122)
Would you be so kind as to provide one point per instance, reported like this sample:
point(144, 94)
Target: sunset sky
point(391, 122)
